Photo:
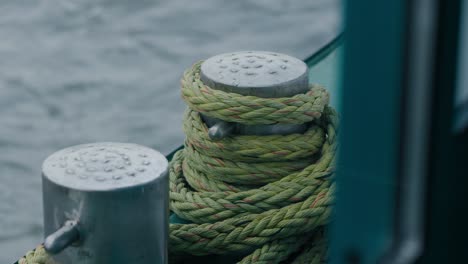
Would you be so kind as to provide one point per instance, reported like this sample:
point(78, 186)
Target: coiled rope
point(264, 197)
point(256, 194)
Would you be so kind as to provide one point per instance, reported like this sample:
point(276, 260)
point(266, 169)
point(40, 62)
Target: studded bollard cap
point(258, 73)
point(106, 203)
point(104, 166)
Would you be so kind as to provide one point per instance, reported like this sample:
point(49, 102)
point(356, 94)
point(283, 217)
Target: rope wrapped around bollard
point(248, 193)
point(266, 198)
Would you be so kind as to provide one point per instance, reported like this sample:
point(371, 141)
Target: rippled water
point(74, 72)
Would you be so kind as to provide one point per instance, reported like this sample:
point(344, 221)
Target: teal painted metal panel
point(363, 224)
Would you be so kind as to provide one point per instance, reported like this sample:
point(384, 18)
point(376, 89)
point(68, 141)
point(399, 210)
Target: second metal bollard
point(106, 203)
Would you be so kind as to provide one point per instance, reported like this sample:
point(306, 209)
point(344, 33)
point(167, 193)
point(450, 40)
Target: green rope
point(253, 195)
point(37, 256)
point(274, 252)
point(246, 148)
point(314, 252)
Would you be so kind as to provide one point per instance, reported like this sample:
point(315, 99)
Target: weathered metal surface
point(118, 196)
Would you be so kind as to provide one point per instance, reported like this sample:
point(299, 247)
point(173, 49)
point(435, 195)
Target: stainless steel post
point(257, 73)
point(106, 203)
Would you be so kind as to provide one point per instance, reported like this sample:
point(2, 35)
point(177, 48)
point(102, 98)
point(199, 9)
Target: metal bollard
point(257, 73)
point(106, 203)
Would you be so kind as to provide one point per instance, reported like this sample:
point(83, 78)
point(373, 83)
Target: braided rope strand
point(252, 148)
point(314, 253)
point(274, 252)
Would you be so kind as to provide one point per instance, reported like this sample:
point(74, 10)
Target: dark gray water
point(74, 72)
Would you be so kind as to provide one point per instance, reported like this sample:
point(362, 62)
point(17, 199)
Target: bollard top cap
point(104, 166)
point(258, 73)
